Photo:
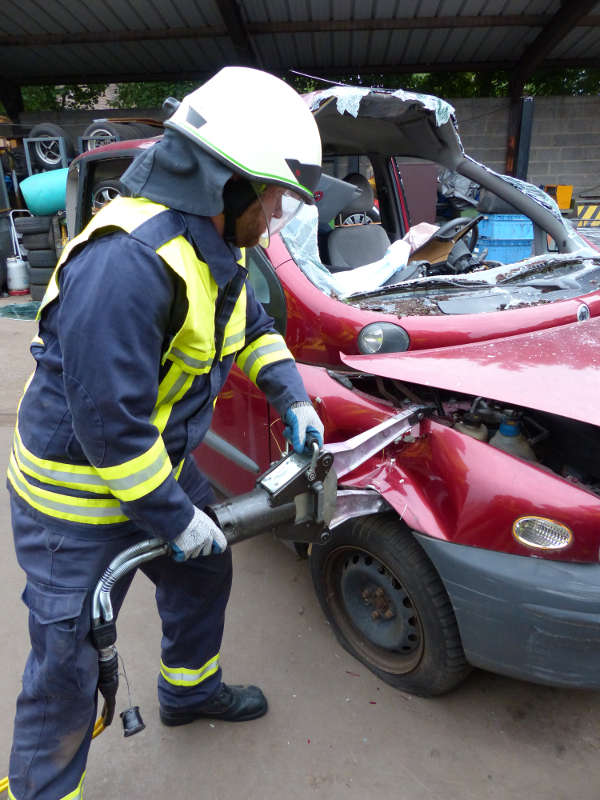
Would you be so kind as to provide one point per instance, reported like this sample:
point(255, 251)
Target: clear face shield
point(279, 206)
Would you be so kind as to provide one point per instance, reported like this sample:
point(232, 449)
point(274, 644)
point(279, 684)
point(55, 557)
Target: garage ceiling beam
point(411, 23)
point(344, 69)
point(238, 33)
point(570, 15)
point(241, 33)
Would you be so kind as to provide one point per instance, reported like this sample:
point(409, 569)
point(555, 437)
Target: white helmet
point(257, 125)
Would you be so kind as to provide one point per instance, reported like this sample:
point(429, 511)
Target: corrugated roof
point(70, 41)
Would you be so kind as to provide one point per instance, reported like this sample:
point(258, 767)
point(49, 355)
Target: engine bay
point(568, 448)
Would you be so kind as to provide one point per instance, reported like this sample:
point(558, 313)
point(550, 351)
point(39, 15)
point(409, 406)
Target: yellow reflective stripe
point(172, 388)
point(63, 506)
point(182, 676)
point(265, 350)
point(37, 340)
point(235, 330)
point(177, 470)
point(140, 475)
point(46, 466)
point(193, 346)
point(76, 794)
point(128, 481)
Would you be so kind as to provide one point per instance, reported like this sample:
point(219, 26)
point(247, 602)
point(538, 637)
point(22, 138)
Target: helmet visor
point(279, 206)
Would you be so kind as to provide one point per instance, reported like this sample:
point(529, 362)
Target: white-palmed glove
point(303, 426)
point(201, 538)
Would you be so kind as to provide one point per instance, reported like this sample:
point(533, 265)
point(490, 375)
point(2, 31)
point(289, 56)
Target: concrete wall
point(565, 144)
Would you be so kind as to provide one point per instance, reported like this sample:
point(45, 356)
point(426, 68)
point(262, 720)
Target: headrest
point(363, 202)
point(331, 195)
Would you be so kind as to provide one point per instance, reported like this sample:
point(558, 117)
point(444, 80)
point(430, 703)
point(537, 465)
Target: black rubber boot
point(230, 703)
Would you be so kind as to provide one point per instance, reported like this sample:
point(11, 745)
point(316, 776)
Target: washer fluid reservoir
point(509, 438)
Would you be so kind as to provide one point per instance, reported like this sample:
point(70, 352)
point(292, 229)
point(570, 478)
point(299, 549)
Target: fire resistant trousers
point(57, 707)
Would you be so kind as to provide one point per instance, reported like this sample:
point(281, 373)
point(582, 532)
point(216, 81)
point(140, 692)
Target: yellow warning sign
point(588, 215)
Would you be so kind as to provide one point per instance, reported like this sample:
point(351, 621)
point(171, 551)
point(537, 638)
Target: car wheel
point(103, 132)
point(105, 191)
point(388, 607)
point(42, 258)
point(47, 153)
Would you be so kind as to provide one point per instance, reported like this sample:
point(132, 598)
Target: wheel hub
point(378, 605)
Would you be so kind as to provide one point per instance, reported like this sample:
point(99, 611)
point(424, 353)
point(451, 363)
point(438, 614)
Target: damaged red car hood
point(555, 370)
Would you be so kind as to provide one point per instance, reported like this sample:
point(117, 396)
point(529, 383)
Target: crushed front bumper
point(529, 618)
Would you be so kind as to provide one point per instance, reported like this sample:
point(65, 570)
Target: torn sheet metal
point(348, 100)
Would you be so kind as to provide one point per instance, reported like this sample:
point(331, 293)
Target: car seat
point(357, 240)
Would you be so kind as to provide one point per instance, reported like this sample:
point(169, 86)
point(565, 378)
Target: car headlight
point(383, 337)
point(542, 533)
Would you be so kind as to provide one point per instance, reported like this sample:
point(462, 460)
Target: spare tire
point(46, 154)
point(36, 241)
point(103, 132)
point(33, 224)
point(40, 276)
point(42, 258)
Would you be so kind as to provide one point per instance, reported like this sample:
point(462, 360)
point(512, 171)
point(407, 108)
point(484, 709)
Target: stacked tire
point(42, 240)
point(103, 132)
point(46, 152)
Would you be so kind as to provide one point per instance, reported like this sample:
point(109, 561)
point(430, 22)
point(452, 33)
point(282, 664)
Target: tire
point(33, 224)
point(42, 258)
point(37, 292)
point(104, 132)
point(388, 607)
point(36, 241)
point(47, 154)
point(106, 190)
point(40, 275)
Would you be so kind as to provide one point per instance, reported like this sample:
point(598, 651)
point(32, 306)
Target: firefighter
point(142, 320)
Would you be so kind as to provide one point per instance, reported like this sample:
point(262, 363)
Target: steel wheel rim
point(48, 152)
point(357, 586)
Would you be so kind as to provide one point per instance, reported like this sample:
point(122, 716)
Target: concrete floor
point(333, 730)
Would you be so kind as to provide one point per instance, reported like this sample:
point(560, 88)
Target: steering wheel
point(450, 230)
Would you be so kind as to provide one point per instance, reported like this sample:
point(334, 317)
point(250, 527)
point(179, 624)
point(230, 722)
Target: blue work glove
point(303, 426)
point(201, 538)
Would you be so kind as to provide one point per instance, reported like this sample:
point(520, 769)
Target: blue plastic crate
point(506, 227)
point(506, 237)
point(505, 252)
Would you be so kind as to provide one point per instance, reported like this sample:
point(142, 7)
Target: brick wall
point(565, 142)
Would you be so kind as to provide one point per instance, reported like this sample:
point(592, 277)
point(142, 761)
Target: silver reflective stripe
point(189, 677)
point(191, 362)
point(82, 510)
point(118, 484)
point(262, 351)
point(170, 394)
point(235, 338)
point(57, 475)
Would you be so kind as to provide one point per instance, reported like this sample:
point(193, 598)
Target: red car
point(469, 532)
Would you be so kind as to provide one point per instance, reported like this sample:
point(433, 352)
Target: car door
point(239, 445)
